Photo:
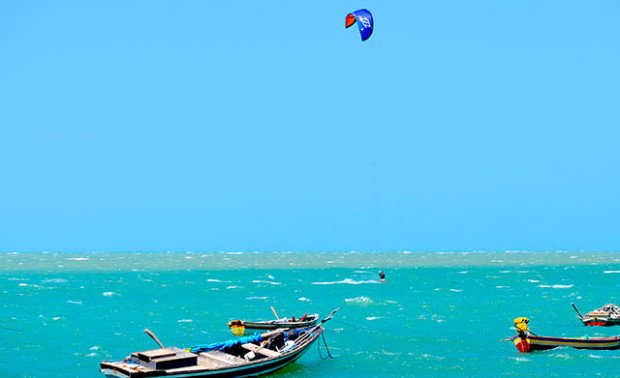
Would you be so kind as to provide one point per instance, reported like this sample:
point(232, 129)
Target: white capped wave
point(184, 321)
point(430, 356)
point(74, 302)
point(359, 300)
point(30, 285)
point(611, 271)
point(561, 355)
point(371, 318)
point(267, 282)
point(252, 298)
point(54, 280)
point(78, 258)
point(109, 294)
point(520, 359)
point(556, 286)
point(213, 280)
point(456, 290)
point(304, 299)
point(533, 281)
point(234, 287)
point(347, 281)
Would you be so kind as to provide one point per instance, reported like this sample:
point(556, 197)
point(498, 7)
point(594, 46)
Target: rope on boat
point(329, 355)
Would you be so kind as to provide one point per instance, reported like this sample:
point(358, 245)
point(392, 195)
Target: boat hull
point(600, 322)
point(532, 343)
point(239, 326)
point(273, 326)
point(245, 369)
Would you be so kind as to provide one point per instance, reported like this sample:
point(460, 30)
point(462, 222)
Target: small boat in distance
point(608, 315)
point(246, 356)
point(238, 326)
point(526, 341)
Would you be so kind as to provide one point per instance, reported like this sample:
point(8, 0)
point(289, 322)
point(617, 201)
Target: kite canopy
point(364, 22)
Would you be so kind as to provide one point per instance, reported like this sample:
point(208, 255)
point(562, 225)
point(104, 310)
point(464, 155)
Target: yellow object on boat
point(521, 323)
point(237, 327)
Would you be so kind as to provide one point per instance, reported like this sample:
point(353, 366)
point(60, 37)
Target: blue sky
point(246, 125)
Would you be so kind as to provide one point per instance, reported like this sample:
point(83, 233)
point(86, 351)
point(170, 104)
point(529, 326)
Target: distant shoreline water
point(168, 261)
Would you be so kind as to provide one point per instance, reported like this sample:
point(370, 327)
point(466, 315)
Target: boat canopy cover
point(256, 338)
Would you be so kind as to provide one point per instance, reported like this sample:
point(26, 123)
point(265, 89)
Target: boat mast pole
point(150, 333)
point(578, 313)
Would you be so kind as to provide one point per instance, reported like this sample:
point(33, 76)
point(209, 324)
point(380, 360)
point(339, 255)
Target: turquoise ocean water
point(439, 314)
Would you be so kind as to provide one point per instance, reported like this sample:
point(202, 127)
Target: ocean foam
point(520, 359)
point(556, 286)
point(54, 280)
point(359, 300)
point(267, 282)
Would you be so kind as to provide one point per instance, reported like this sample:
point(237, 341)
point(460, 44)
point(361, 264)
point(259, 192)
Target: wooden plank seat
point(264, 351)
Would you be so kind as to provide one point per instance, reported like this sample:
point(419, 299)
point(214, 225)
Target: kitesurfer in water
point(381, 276)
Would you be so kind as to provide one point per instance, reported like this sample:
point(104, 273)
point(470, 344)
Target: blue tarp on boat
point(256, 338)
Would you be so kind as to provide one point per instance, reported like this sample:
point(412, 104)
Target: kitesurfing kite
point(364, 22)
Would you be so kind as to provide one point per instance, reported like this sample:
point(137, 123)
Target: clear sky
point(266, 125)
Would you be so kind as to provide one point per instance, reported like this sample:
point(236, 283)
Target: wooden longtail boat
point(608, 315)
point(526, 341)
point(238, 327)
point(241, 357)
